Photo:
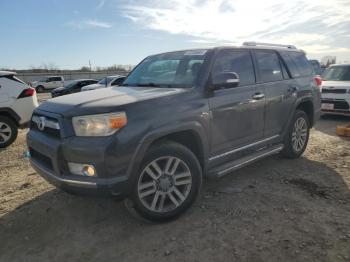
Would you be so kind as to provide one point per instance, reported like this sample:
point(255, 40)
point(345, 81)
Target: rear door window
point(269, 66)
point(239, 62)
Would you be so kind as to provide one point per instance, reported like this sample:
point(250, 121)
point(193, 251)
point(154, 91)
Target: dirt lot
point(274, 210)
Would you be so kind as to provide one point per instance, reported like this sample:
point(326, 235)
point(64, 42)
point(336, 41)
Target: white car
point(17, 103)
point(105, 82)
point(336, 90)
point(48, 83)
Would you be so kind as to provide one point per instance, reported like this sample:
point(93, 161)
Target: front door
point(237, 113)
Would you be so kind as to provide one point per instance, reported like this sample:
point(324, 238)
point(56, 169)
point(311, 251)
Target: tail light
point(318, 80)
point(27, 93)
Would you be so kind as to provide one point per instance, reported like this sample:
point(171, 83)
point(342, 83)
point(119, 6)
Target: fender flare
point(295, 106)
point(156, 134)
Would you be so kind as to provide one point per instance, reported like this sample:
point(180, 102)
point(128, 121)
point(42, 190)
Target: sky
point(69, 33)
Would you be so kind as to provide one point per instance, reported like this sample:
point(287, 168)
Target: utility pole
point(90, 65)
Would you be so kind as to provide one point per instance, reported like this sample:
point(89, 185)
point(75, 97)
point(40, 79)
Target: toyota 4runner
point(178, 117)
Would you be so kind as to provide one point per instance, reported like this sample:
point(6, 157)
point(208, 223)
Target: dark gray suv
point(178, 117)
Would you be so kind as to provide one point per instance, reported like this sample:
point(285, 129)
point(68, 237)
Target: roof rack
point(268, 44)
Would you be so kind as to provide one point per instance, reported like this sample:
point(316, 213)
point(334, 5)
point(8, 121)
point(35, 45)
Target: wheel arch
point(307, 106)
point(8, 112)
point(192, 135)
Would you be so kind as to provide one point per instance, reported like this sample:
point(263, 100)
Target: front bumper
point(98, 187)
point(50, 157)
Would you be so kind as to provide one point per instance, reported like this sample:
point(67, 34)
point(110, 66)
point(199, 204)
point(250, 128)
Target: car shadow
point(274, 210)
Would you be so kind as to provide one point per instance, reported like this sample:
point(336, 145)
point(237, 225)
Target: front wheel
point(168, 182)
point(297, 136)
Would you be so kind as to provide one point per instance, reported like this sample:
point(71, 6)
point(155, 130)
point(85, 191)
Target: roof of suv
point(7, 73)
point(247, 45)
point(339, 65)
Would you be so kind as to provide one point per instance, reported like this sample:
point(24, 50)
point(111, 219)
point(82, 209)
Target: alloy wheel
point(299, 135)
point(164, 184)
point(5, 132)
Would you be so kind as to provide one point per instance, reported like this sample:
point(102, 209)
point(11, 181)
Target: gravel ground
point(273, 210)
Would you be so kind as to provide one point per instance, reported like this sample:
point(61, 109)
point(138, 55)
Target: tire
point(40, 89)
point(8, 131)
point(297, 137)
point(173, 188)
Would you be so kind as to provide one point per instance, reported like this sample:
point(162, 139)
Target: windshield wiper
point(148, 84)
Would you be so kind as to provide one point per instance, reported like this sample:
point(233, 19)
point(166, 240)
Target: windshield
point(105, 81)
point(43, 79)
point(337, 73)
point(178, 69)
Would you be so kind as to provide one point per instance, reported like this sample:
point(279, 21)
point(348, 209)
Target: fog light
point(82, 169)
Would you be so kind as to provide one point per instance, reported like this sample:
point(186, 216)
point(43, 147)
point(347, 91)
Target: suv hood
point(103, 100)
point(337, 84)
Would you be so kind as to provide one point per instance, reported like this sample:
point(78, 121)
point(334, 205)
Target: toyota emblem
point(41, 123)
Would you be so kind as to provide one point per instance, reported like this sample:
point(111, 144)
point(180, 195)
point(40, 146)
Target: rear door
point(237, 119)
point(279, 90)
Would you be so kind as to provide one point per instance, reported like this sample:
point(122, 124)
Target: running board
point(234, 165)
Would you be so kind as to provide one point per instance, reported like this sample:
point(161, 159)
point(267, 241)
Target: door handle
point(293, 89)
point(258, 96)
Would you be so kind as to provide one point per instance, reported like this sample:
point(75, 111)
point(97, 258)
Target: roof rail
point(268, 44)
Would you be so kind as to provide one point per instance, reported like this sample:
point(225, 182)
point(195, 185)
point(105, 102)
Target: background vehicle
point(178, 116)
point(17, 102)
point(336, 90)
point(105, 82)
point(48, 83)
point(316, 66)
point(73, 87)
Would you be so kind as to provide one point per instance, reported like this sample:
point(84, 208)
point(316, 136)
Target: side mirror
point(225, 80)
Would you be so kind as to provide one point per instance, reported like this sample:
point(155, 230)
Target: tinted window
point(301, 63)
point(290, 64)
point(269, 66)
point(51, 79)
point(239, 62)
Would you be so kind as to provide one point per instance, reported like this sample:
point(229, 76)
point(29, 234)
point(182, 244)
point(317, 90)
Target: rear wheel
point(297, 136)
point(40, 89)
point(8, 131)
point(167, 183)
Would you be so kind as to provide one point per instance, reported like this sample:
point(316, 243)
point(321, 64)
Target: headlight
point(99, 125)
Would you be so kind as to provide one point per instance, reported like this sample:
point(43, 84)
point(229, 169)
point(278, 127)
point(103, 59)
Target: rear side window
point(269, 66)
point(297, 64)
point(55, 79)
point(303, 65)
point(239, 62)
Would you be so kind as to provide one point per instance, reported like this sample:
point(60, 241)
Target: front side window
point(239, 62)
point(269, 66)
point(175, 69)
point(337, 73)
